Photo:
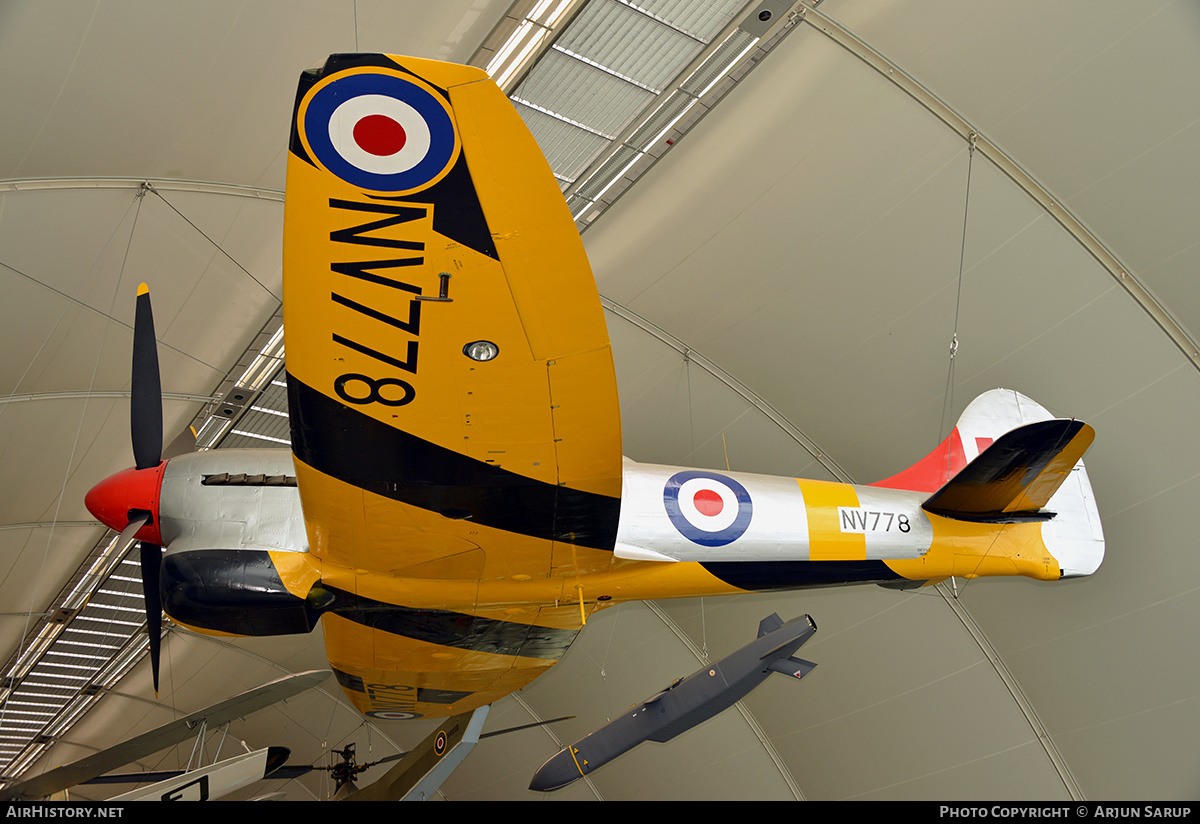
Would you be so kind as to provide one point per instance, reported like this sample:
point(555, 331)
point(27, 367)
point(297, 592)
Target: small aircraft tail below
point(1009, 460)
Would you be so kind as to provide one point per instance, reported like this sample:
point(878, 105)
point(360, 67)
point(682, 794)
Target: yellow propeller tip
point(143, 289)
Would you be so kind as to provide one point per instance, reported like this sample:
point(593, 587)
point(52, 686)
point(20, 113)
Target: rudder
point(1074, 534)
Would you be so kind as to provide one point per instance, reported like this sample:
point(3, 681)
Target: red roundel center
point(708, 502)
point(379, 135)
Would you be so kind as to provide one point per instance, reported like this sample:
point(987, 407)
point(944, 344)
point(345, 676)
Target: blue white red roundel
point(379, 130)
point(393, 715)
point(707, 508)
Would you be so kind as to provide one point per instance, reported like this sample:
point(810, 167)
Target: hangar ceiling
point(782, 286)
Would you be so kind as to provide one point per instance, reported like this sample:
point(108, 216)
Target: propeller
point(130, 497)
point(145, 404)
point(128, 500)
point(146, 432)
point(343, 770)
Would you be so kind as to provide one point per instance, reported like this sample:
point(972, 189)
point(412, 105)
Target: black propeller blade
point(146, 430)
point(151, 560)
point(146, 418)
point(151, 575)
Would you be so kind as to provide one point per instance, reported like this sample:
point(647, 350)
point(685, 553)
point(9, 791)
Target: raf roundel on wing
point(707, 508)
point(379, 131)
point(392, 715)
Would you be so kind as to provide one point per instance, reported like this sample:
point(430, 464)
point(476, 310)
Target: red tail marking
point(931, 472)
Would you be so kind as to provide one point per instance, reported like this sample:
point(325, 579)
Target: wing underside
point(450, 501)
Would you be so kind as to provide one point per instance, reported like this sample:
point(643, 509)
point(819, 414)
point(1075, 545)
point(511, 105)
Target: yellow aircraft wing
point(453, 402)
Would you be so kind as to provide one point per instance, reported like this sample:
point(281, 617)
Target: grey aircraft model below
point(686, 703)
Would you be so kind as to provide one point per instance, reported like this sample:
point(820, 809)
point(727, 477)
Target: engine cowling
point(222, 515)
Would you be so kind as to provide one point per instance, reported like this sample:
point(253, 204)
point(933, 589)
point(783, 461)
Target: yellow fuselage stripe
point(826, 541)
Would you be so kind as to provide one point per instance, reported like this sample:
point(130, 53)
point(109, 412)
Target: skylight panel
point(629, 43)
point(569, 148)
point(582, 93)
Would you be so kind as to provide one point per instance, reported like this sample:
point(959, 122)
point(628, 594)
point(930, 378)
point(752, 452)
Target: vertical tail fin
point(1039, 469)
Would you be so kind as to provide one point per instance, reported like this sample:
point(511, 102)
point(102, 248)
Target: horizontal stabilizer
point(795, 667)
point(1016, 476)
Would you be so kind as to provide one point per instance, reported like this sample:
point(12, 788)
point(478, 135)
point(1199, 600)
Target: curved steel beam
point(103, 393)
point(1075, 227)
point(49, 525)
point(848, 40)
point(165, 185)
point(745, 392)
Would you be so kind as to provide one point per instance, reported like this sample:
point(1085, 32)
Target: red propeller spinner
point(120, 498)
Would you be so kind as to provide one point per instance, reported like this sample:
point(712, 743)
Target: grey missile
point(686, 703)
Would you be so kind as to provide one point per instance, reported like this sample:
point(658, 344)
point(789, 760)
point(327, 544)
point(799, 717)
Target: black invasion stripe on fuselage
point(359, 450)
point(758, 576)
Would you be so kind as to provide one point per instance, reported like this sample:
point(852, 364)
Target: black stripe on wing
point(355, 448)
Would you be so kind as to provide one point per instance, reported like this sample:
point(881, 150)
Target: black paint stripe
point(428, 695)
point(452, 629)
point(457, 212)
point(355, 448)
point(775, 575)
